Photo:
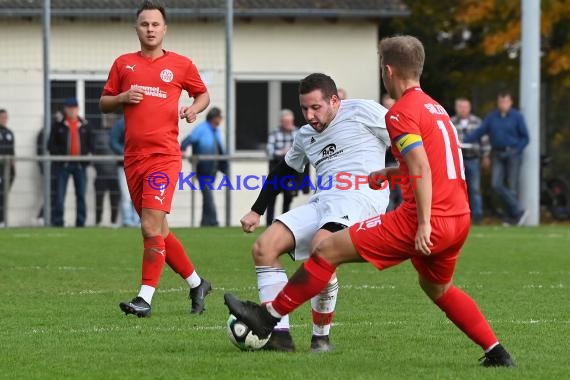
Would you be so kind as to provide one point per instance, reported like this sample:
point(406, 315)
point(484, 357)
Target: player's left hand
point(377, 178)
point(423, 239)
point(188, 114)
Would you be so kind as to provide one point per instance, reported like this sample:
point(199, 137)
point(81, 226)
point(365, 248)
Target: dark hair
point(405, 54)
point(504, 94)
point(152, 4)
point(318, 81)
point(2, 110)
point(213, 113)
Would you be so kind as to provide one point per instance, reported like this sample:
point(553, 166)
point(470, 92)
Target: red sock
point(321, 319)
point(309, 280)
point(465, 314)
point(176, 257)
point(153, 260)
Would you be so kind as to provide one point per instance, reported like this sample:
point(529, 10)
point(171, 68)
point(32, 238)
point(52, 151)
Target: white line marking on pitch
point(221, 326)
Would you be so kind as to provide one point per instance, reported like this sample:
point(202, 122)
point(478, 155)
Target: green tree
point(472, 49)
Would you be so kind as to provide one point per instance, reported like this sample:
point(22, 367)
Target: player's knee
point(432, 290)
point(322, 249)
point(263, 253)
point(150, 229)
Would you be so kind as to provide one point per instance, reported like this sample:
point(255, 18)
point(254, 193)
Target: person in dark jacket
point(106, 173)
point(71, 137)
point(6, 149)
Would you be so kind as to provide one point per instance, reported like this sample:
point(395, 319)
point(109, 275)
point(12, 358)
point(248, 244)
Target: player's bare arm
point(251, 220)
point(419, 170)
point(111, 103)
point(201, 101)
point(377, 178)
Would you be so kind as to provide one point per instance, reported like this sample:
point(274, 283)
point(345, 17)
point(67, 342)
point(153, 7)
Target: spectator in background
point(278, 143)
point(40, 151)
point(207, 139)
point(395, 190)
point(508, 135)
point(70, 136)
point(106, 172)
point(474, 155)
point(342, 94)
point(129, 216)
point(6, 149)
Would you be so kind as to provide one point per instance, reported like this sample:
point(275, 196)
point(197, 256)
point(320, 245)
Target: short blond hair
point(405, 54)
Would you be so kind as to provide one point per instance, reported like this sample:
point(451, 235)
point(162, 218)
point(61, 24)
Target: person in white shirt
point(344, 141)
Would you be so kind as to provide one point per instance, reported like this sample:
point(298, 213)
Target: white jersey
point(354, 144)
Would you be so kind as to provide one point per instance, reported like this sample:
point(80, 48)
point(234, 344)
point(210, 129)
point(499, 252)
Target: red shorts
point(152, 180)
point(387, 240)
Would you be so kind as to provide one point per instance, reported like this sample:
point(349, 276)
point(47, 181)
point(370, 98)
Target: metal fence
point(24, 201)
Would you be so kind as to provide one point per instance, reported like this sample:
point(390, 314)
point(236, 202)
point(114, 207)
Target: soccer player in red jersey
point(147, 85)
point(428, 228)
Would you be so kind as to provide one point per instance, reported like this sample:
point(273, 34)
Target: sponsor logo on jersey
point(329, 152)
point(130, 67)
point(313, 140)
point(160, 199)
point(166, 75)
point(151, 91)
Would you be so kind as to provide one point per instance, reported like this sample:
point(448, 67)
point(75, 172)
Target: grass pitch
point(59, 314)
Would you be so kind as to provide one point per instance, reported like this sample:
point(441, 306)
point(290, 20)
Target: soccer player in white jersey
point(344, 141)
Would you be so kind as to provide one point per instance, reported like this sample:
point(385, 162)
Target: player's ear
point(335, 99)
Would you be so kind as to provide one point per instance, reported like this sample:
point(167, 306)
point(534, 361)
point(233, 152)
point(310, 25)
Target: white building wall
point(262, 49)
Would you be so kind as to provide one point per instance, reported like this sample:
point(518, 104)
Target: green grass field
point(60, 290)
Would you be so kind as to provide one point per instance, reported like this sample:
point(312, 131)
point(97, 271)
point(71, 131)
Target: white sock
point(193, 280)
point(146, 293)
point(324, 304)
point(272, 310)
point(270, 281)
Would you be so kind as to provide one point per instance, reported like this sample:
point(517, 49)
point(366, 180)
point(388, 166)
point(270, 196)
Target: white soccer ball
point(242, 337)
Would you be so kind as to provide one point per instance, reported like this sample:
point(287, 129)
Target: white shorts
point(306, 220)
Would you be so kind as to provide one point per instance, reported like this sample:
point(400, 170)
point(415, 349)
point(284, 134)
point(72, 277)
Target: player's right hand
point(423, 239)
point(133, 96)
point(250, 221)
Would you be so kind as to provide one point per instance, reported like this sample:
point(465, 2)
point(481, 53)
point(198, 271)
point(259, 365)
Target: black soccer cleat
point(137, 306)
point(254, 316)
point(198, 295)
point(321, 343)
point(280, 340)
point(497, 357)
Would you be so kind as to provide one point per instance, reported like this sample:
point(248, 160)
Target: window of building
point(258, 103)
point(86, 90)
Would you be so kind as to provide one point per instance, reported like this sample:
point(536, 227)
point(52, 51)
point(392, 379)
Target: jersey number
point(450, 162)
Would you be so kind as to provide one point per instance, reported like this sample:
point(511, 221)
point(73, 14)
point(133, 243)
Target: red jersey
point(152, 125)
point(417, 119)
